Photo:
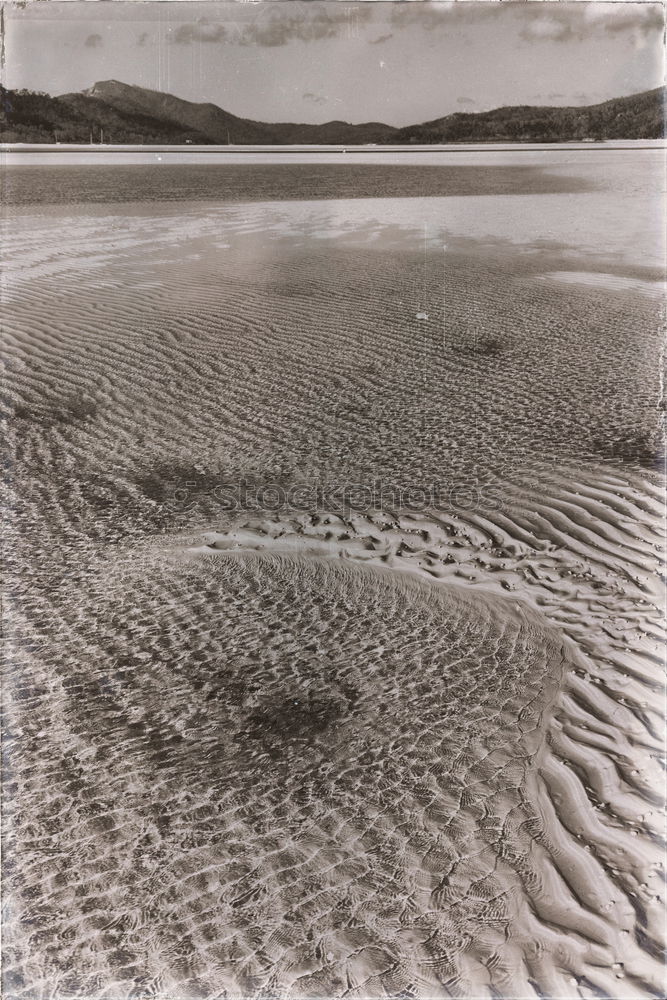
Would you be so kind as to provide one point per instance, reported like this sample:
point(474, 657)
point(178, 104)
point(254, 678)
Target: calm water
point(96, 174)
point(60, 183)
point(603, 202)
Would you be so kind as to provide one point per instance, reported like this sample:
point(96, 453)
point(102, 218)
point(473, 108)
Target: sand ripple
point(313, 752)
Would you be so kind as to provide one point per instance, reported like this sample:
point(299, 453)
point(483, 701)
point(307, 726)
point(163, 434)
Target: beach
point(334, 607)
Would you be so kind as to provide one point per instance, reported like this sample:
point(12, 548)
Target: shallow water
point(305, 743)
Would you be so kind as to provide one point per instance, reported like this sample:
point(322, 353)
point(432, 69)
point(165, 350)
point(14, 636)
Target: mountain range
point(114, 112)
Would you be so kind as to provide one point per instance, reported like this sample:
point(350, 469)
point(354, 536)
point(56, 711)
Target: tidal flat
point(333, 603)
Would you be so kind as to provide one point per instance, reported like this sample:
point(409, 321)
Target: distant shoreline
point(17, 154)
point(80, 147)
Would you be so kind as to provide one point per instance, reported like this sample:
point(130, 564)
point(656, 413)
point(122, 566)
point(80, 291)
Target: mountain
point(27, 116)
point(640, 116)
point(220, 126)
point(122, 113)
point(130, 114)
point(206, 120)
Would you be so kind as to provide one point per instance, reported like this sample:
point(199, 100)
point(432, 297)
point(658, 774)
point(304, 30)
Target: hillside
point(220, 126)
point(35, 117)
point(206, 120)
point(116, 112)
point(129, 114)
point(640, 116)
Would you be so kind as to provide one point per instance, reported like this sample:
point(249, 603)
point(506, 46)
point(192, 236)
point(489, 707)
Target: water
point(293, 745)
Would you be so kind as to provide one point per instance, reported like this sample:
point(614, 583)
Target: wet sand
point(403, 749)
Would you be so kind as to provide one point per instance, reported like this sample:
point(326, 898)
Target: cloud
point(381, 39)
point(434, 14)
point(465, 100)
point(199, 31)
point(547, 29)
point(142, 39)
point(573, 100)
point(312, 22)
point(538, 22)
point(574, 22)
point(315, 98)
point(93, 41)
point(646, 18)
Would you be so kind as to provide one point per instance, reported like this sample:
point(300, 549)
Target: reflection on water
point(601, 204)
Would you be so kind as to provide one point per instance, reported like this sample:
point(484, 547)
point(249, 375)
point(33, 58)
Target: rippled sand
point(402, 751)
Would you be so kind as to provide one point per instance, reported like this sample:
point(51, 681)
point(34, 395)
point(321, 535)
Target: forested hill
point(640, 116)
point(113, 112)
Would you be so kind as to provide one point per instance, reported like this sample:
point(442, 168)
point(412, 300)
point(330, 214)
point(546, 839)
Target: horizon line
point(575, 145)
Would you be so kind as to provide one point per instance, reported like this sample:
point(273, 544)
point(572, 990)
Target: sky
point(319, 60)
